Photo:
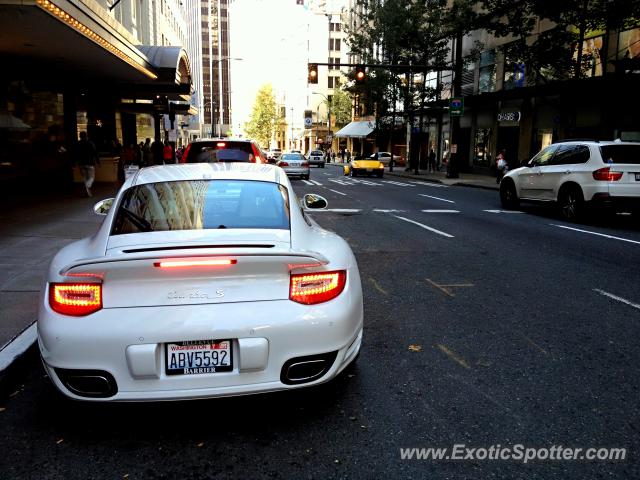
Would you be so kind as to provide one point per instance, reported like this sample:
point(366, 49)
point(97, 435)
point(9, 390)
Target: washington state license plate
point(197, 357)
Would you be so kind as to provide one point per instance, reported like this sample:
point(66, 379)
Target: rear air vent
point(194, 247)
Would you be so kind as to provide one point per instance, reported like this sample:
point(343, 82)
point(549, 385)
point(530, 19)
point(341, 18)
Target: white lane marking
point(368, 182)
point(308, 182)
point(336, 191)
point(502, 211)
point(340, 182)
point(327, 174)
point(336, 210)
point(400, 184)
point(316, 182)
point(444, 234)
point(441, 211)
point(18, 346)
point(436, 198)
point(598, 234)
point(615, 297)
point(427, 184)
point(380, 210)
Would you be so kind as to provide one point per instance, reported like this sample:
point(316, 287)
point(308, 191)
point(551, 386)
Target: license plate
point(197, 357)
point(638, 177)
point(369, 170)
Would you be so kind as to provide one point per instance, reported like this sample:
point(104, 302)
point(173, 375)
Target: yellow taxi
point(365, 166)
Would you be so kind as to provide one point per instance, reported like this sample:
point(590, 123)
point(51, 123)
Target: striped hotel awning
point(356, 129)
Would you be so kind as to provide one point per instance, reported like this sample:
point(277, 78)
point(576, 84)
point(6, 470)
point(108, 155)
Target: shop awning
point(357, 129)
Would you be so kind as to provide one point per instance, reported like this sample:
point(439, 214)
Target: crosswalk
point(349, 181)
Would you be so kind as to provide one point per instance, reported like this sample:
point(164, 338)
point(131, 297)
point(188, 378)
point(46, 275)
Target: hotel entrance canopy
point(360, 129)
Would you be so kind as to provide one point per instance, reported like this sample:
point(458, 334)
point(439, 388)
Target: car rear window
point(292, 156)
point(621, 154)
point(316, 152)
point(202, 205)
point(225, 151)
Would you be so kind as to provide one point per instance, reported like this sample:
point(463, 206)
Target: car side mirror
point(314, 202)
point(103, 206)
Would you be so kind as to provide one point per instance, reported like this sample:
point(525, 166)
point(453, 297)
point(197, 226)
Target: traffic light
point(361, 75)
point(313, 73)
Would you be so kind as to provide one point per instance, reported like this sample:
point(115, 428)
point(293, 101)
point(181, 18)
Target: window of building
point(487, 73)
point(482, 147)
point(330, 82)
point(334, 27)
point(334, 44)
point(514, 72)
point(591, 56)
point(629, 44)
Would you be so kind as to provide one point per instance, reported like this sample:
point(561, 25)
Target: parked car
point(577, 174)
point(273, 155)
point(223, 150)
point(316, 157)
point(385, 158)
point(295, 165)
point(204, 280)
point(365, 166)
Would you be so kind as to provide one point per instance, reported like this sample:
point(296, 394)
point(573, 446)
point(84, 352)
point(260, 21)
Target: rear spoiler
point(295, 258)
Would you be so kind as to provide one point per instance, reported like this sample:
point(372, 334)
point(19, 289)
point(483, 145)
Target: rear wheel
point(571, 203)
point(508, 195)
point(322, 165)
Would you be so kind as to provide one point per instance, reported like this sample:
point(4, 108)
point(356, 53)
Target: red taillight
point(221, 144)
point(213, 262)
point(312, 288)
point(185, 154)
point(283, 164)
point(257, 155)
point(606, 175)
point(305, 164)
point(75, 299)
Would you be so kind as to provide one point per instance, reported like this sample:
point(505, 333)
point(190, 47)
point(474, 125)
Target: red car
point(223, 150)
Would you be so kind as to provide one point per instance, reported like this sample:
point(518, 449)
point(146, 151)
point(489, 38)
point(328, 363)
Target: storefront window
point(482, 147)
point(629, 44)
point(591, 57)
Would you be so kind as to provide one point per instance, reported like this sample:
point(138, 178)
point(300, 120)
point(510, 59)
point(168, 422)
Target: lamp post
point(213, 102)
point(328, 113)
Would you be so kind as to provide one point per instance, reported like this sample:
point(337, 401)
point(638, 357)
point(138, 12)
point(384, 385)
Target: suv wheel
point(571, 203)
point(508, 195)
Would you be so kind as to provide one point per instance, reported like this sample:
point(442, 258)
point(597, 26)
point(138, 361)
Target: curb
point(13, 350)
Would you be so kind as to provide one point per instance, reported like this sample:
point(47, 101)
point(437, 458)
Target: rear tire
point(571, 203)
point(509, 195)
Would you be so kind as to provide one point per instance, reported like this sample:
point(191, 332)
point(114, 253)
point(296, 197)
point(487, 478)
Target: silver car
point(294, 165)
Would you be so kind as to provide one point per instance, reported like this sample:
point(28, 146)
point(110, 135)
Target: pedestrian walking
point(147, 157)
point(431, 161)
point(167, 153)
point(87, 159)
point(342, 155)
point(502, 166)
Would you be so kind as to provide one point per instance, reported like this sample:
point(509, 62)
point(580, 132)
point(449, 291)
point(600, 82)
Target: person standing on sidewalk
point(87, 159)
point(431, 161)
point(502, 166)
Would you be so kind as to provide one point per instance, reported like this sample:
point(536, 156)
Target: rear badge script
point(193, 295)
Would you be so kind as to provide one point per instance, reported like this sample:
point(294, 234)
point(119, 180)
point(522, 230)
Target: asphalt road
point(482, 328)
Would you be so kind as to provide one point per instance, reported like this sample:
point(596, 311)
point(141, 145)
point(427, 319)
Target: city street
point(483, 327)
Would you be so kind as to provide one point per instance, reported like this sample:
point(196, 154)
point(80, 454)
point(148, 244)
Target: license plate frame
point(194, 367)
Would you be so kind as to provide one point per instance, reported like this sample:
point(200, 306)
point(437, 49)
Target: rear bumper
point(606, 200)
point(129, 344)
point(296, 172)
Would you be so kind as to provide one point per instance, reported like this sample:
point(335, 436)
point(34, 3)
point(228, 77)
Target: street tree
point(340, 107)
point(263, 118)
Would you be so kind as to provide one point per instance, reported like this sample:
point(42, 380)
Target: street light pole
point(291, 140)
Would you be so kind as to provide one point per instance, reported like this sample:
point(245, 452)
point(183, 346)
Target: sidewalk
point(465, 179)
point(33, 227)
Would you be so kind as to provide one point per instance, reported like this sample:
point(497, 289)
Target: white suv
point(576, 173)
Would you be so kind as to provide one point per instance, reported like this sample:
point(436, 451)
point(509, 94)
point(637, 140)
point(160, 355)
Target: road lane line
point(444, 234)
point(393, 210)
point(336, 210)
point(308, 182)
point(336, 191)
point(441, 211)
point(315, 182)
point(596, 233)
point(378, 287)
point(502, 211)
point(400, 184)
point(459, 360)
point(615, 297)
point(436, 198)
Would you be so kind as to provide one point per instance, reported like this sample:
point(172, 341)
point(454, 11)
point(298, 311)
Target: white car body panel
point(248, 303)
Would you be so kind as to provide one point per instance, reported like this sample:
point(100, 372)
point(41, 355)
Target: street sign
point(456, 106)
point(308, 122)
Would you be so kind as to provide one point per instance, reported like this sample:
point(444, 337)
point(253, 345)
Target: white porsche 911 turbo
point(204, 280)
